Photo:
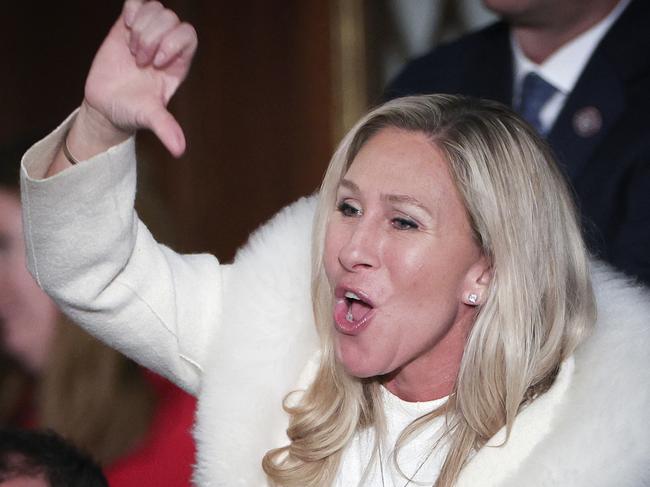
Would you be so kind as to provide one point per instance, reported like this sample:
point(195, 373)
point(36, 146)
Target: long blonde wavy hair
point(538, 309)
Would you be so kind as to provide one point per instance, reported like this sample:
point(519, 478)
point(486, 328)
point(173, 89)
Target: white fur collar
point(590, 429)
point(267, 337)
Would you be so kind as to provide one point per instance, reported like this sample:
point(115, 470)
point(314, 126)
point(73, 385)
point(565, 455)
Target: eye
point(401, 223)
point(346, 209)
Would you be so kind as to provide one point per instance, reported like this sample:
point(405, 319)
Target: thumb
point(167, 129)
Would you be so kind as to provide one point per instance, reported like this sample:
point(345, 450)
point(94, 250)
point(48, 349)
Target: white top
point(563, 68)
point(420, 458)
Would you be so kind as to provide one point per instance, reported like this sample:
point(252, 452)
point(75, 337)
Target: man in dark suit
point(595, 113)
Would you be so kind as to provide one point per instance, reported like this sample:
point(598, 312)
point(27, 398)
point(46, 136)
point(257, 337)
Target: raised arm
point(85, 244)
point(176, 314)
point(136, 71)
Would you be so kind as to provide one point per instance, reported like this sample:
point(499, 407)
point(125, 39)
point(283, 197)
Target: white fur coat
point(241, 336)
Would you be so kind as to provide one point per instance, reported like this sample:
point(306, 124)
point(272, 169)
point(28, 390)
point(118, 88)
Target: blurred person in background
point(45, 459)
point(52, 374)
point(579, 72)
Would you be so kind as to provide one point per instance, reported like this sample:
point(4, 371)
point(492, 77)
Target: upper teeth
point(351, 295)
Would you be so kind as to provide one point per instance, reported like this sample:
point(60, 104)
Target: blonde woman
point(433, 310)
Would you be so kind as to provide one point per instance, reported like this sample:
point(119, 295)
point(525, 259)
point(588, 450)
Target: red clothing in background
point(165, 457)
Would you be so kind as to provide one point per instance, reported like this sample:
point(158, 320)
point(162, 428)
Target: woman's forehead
point(400, 161)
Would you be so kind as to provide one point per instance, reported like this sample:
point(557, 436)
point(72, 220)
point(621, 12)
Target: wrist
point(91, 133)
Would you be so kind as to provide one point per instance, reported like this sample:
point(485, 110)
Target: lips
point(353, 310)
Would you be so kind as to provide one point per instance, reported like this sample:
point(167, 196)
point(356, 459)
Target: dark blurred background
point(273, 87)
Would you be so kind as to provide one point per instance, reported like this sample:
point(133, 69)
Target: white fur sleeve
point(87, 249)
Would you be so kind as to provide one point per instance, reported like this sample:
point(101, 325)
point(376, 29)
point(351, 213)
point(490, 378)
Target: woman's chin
point(356, 364)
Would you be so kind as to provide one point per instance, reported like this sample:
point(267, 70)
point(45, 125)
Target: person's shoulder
point(626, 46)
point(614, 359)
point(472, 43)
point(288, 232)
point(276, 260)
point(629, 27)
point(623, 303)
point(443, 68)
point(607, 403)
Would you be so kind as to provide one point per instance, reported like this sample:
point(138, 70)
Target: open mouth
point(352, 311)
point(357, 307)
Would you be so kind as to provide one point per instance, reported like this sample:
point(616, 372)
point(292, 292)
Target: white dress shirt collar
point(563, 68)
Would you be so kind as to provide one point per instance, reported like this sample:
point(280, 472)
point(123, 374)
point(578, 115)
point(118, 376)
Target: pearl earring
point(472, 298)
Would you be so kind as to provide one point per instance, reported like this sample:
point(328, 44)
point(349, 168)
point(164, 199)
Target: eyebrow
point(392, 198)
point(403, 198)
point(346, 183)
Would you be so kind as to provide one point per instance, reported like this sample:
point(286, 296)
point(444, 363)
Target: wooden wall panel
point(256, 108)
point(45, 44)
point(257, 111)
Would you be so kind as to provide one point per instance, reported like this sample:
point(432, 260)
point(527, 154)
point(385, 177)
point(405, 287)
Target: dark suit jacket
point(610, 169)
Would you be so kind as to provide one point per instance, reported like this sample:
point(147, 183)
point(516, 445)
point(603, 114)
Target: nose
point(361, 249)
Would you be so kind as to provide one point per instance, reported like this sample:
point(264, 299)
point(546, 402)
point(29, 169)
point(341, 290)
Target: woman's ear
point(477, 283)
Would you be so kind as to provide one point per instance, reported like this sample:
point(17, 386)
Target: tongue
point(359, 310)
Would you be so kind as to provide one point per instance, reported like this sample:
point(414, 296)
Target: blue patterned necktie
point(535, 92)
